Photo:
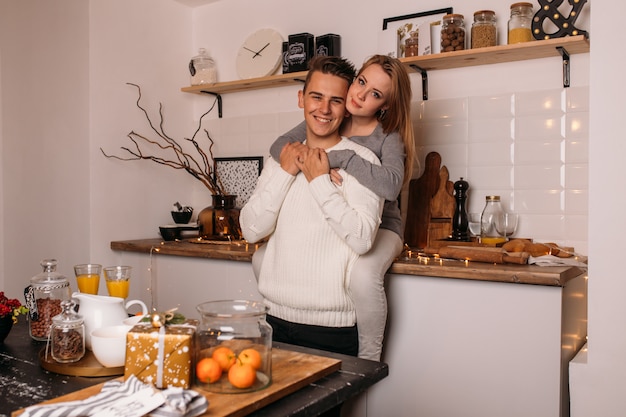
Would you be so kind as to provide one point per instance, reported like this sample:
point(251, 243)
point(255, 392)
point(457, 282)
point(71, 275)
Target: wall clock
point(260, 55)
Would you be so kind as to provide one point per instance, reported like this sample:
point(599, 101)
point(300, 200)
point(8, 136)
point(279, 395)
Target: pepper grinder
point(459, 221)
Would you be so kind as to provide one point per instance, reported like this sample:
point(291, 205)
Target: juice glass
point(117, 279)
point(88, 277)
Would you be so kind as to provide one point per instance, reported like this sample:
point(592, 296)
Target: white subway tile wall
point(530, 148)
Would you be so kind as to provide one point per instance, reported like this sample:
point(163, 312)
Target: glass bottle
point(488, 232)
point(202, 69)
point(453, 33)
point(67, 336)
point(519, 26)
point(43, 298)
point(234, 329)
point(411, 44)
point(484, 29)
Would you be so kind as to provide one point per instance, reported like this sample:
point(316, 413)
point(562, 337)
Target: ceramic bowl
point(131, 321)
point(182, 217)
point(109, 345)
point(170, 232)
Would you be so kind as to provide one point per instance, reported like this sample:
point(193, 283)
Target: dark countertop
point(242, 251)
point(23, 382)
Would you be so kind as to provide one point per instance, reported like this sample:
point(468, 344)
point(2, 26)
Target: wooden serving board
point(290, 372)
point(87, 366)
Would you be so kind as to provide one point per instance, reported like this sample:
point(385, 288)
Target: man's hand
point(314, 163)
point(289, 156)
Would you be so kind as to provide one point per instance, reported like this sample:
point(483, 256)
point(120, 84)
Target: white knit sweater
point(317, 230)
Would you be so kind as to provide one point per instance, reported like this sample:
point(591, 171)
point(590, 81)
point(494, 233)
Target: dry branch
point(200, 166)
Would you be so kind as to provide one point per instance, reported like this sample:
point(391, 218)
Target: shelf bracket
point(219, 102)
point(424, 80)
point(566, 65)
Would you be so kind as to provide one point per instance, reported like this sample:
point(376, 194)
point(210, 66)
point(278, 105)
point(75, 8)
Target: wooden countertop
point(24, 382)
point(519, 274)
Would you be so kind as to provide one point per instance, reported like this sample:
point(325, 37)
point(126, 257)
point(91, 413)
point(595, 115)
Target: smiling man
point(315, 229)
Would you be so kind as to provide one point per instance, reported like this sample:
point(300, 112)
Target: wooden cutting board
point(431, 205)
point(290, 372)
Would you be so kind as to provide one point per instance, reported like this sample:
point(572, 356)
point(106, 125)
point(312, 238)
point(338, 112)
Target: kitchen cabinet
point(422, 64)
point(475, 348)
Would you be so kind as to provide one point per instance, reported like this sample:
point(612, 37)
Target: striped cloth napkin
point(131, 398)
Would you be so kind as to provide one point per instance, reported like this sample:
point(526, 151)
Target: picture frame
point(397, 29)
point(238, 175)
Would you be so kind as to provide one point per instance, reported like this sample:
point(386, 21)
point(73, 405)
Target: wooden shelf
point(446, 60)
point(499, 54)
point(249, 84)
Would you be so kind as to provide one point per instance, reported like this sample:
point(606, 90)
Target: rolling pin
point(483, 254)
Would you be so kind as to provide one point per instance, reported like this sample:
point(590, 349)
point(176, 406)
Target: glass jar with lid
point(67, 335)
point(202, 69)
point(519, 25)
point(484, 29)
point(489, 234)
point(43, 298)
point(234, 331)
point(453, 33)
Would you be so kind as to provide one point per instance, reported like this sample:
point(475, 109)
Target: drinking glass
point(506, 224)
point(473, 224)
point(118, 280)
point(88, 277)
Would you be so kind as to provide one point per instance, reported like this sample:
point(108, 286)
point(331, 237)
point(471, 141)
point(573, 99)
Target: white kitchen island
point(456, 345)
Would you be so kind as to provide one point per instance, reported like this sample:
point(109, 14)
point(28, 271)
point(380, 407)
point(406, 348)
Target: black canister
point(300, 51)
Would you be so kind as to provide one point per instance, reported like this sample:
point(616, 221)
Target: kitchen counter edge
point(520, 274)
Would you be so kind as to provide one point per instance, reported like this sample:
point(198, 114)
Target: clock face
point(260, 55)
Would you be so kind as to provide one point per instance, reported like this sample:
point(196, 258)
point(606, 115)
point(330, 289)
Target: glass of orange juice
point(118, 280)
point(88, 277)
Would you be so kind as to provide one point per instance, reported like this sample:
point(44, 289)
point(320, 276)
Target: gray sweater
point(384, 180)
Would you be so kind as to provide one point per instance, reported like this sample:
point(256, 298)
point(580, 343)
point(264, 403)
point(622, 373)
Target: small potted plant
point(10, 309)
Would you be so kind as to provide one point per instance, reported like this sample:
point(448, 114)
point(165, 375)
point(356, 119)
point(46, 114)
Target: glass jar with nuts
point(453, 33)
point(43, 298)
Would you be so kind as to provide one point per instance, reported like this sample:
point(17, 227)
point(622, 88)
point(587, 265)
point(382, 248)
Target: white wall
point(600, 385)
point(45, 136)
point(62, 198)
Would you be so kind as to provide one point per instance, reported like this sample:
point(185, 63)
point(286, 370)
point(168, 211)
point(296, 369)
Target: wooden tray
point(87, 366)
point(290, 372)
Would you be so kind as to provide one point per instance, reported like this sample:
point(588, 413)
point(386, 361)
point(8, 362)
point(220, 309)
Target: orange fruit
point(242, 375)
point(251, 356)
point(208, 370)
point(225, 357)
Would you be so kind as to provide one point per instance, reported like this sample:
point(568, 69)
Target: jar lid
point(68, 317)
point(522, 4)
point(479, 12)
point(453, 16)
point(49, 276)
point(493, 198)
point(232, 308)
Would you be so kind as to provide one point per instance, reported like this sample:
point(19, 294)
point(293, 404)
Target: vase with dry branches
point(221, 219)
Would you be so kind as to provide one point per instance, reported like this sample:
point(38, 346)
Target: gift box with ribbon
point(159, 351)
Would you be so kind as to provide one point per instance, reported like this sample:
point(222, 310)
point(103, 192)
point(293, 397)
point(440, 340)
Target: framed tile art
point(239, 175)
point(397, 29)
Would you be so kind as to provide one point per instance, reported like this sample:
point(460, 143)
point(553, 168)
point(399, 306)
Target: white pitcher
point(101, 311)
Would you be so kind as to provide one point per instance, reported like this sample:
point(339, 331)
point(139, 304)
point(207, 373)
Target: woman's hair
point(397, 116)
